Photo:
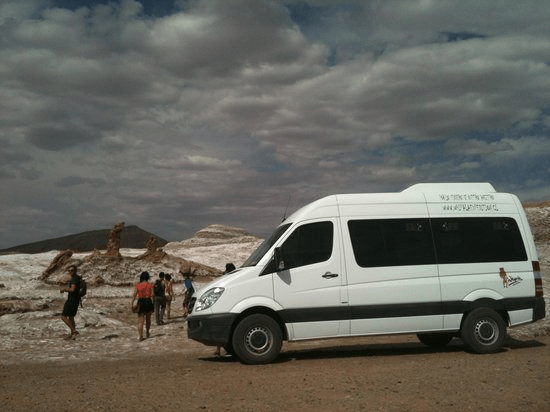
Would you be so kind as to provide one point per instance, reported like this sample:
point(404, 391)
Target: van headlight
point(208, 298)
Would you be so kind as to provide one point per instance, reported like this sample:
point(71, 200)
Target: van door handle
point(329, 275)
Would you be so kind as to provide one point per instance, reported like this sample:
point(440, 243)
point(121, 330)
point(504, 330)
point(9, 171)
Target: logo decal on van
point(509, 281)
point(514, 281)
point(504, 277)
point(468, 202)
point(467, 197)
point(471, 207)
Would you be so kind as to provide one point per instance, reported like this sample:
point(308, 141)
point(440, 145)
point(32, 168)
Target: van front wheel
point(483, 331)
point(257, 339)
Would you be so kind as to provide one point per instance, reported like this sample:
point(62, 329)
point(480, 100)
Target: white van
point(438, 260)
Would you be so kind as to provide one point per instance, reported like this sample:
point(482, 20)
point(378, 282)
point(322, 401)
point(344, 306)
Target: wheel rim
point(258, 340)
point(486, 331)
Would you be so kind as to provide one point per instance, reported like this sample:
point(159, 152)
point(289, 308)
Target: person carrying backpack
point(71, 305)
point(160, 303)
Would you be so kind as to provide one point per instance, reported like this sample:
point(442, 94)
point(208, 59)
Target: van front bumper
point(212, 330)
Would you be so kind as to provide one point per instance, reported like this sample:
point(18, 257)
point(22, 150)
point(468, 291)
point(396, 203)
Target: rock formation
point(113, 242)
point(153, 254)
point(217, 244)
point(58, 263)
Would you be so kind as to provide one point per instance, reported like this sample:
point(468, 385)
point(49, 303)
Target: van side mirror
point(279, 259)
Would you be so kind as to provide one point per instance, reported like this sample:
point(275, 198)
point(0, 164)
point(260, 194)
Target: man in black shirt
point(73, 299)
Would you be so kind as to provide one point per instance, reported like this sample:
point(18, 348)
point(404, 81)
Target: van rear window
point(403, 242)
point(478, 240)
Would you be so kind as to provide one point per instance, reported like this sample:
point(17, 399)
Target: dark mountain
point(130, 237)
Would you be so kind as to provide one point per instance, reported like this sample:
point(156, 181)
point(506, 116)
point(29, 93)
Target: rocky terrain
point(203, 256)
point(30, 282)
point(538, 215)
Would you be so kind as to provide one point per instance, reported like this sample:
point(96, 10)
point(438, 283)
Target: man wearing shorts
point(71, 305)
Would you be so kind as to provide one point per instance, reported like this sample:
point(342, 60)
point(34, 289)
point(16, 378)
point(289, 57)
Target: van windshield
point(259, 253)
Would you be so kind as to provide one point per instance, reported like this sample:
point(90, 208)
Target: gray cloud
point(57, 137)
point(71, 181)
point(218, 111)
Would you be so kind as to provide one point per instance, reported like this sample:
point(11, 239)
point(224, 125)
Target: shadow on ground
point(378, 350)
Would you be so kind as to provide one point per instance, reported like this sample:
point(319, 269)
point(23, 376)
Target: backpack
point(83, 288)
point(159, 288)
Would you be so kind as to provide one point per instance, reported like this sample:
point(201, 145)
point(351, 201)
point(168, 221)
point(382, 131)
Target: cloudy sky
point(172, 115)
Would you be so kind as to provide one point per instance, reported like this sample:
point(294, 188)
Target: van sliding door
point(393, 281)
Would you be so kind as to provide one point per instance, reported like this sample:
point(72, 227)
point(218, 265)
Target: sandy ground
point(103, 370)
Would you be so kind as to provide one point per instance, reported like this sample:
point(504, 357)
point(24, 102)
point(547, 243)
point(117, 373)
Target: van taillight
point(538, 279)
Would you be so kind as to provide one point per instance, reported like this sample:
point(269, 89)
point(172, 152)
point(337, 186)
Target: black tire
point(483, 331)
point(257, 339)
point(435, 340)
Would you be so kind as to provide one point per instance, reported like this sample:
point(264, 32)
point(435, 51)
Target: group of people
point(157, 298)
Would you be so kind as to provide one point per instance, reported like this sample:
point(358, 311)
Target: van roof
point(451, 187)
point(417, 194)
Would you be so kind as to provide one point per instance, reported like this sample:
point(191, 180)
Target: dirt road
point(384, 373)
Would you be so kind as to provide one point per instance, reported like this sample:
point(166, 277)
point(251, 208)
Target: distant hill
point(131, 237)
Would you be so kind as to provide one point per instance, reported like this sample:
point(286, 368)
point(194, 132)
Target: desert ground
point(105, 370)
point(168, 372)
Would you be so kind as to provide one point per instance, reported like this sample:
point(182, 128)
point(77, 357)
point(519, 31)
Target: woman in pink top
point(144, 293)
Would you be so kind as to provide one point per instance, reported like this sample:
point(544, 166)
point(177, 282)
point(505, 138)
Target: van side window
point(478, 240)
point(308, 244)
point(391, 242)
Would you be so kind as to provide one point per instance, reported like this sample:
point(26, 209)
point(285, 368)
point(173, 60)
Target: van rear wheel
point(257, 339)
point(483, 331)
